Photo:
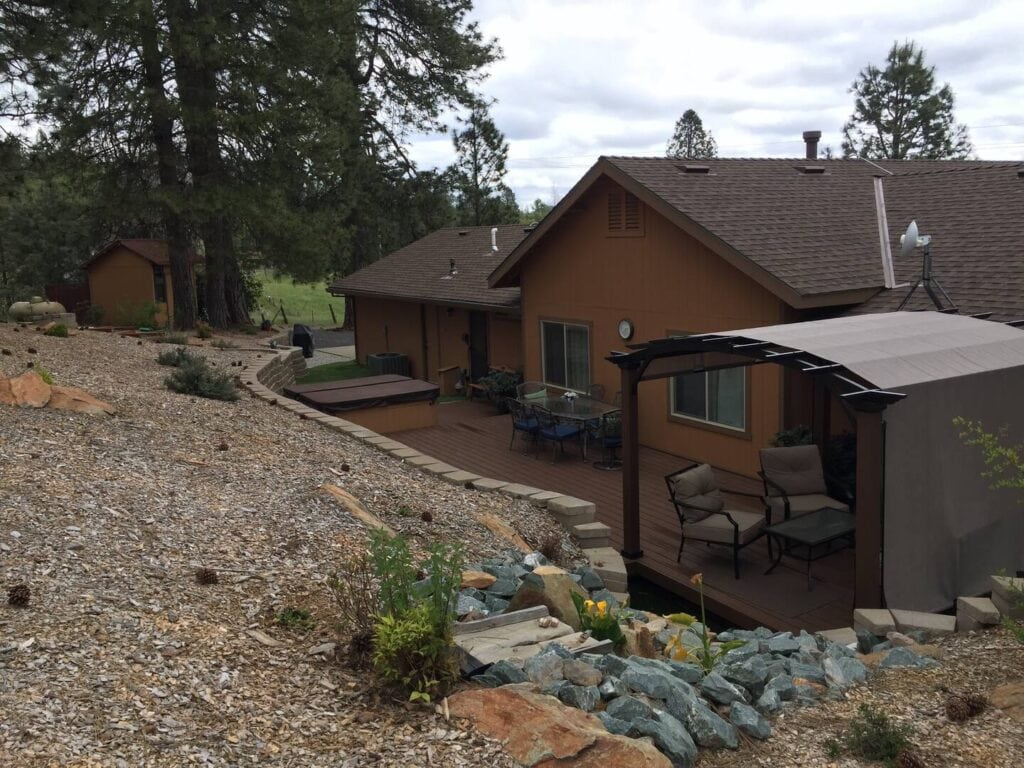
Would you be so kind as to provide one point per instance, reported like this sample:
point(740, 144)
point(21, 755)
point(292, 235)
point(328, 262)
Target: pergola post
point(630, 463)
point(870, 489)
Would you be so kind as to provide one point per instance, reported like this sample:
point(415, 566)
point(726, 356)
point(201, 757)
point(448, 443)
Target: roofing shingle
point(421, 271)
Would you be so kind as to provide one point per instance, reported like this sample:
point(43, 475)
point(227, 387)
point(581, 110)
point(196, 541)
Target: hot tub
point(385, 403)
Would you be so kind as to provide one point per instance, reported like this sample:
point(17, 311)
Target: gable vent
point(625, 214)
point(705, 169)
point(811, 170)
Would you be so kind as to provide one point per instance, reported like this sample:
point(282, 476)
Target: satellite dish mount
point(910, 242)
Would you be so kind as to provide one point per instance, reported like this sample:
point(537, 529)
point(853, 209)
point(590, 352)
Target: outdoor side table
point(808, 532)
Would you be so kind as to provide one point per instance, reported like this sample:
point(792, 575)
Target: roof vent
point(811, 169)
point(1020, 174)
point(694, 168)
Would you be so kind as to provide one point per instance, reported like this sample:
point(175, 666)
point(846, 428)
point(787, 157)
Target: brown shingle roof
point(154, 251)
point(421, 271)
point(975, 216)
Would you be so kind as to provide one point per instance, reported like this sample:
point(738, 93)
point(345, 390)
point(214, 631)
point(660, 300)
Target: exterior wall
point(664, 281)
point(123, 279)
point(505, 340)
point(445, 335)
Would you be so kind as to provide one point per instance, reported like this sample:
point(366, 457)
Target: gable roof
point(152, 250)
point(807, 230)
point(421, 271)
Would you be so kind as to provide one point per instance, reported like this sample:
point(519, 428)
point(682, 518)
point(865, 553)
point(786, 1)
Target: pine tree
point(900, 114)
point(479, 171)
point(690, 141)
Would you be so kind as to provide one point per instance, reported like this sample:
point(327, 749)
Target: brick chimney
point(811, 140)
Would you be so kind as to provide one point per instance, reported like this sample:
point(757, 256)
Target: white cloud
point(582, 78)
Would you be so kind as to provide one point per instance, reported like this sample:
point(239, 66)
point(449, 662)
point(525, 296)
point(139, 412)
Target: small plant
point(59, 330)
point(408, 651)
point(357, 596)
point(705, 655)
point(174, 338)
point(204, 330)
point(223, 344)
point(872, 736)
point(551, 546)
point(19, 595)
point(1004, 461)
point(404, 511)
point(92, 315)
point(198, 378)
point(178, 357)
point(603, 624)
point(44, 374)
point(501, 385)
point(296, 620)
point(787, 438)
point(137, 315)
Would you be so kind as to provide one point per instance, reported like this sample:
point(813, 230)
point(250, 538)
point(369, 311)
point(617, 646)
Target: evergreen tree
point(479, 171)
point(900, 114)
point(535, 212)
point(690, 141)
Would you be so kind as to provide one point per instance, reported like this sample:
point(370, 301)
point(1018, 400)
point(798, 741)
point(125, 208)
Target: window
point(716, 397)
point(625, 214)
point(565, 354)
point(159, 284)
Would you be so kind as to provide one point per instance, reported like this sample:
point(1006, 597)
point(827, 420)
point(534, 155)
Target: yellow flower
point(588, 604)
point(697, 579)
point(681, 618)
point(675, 649)
point(602, 608)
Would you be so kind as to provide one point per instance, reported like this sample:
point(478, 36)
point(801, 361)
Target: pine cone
point(908, 758)
point(957, 708)
point(976, 703)
point(426, 517)
point(207, 576)
point(19, 595)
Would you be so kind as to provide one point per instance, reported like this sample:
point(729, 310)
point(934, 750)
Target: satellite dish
point(908, 241)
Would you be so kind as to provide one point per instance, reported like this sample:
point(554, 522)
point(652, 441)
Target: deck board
point(470, 437)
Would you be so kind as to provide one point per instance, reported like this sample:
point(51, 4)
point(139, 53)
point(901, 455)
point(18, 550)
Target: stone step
point(841, 635)
point(489, 484)
point(608, 564)
point(974, 613)
point(571, 511)
point(932, 623)
point(1006, 608)
point(461, 477)
point(1006, 587)
point(592, 535)
point(518, 490)
point(878, 621)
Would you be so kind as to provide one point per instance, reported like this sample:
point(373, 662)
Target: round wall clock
point(625, 329)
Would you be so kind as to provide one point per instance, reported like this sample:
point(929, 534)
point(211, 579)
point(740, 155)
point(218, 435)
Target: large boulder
point(554, 588)
point(28, 390)
point(77, 400)
point(539, 731)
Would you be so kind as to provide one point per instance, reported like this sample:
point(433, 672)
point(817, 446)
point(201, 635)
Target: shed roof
point(866, 356)
point(422, 270)
point(152, 250)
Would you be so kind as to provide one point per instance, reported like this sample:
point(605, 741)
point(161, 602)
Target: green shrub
point(408, 651)
point(92, 315)
point(296, 619)
point(872, 736)
point(60, 331)
point(204, 330)
point(501, 385)
point(223, 344)
point(787, 438)
point(174, 338)
point(178, 357)
point(137, 315)
point(196, 377)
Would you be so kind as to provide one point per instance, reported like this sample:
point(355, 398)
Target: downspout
point(423, 339)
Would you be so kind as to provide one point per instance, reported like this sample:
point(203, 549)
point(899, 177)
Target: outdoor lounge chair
point(523, 421)
point(703, 516)
point(551, 430)
point(794, 483)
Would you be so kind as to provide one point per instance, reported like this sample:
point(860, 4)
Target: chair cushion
point(801, 505)
point(698, 488)
point(526, 425)
point(796, 469)
point(560, 431)
point(538, 395)
point(717, 528)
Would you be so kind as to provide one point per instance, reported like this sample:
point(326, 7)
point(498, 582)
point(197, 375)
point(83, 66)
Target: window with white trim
point(714, 397)
point(565, 354)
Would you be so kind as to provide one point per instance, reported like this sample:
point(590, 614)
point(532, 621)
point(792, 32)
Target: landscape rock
point(1010, 699)
point(811, 672)
point(27, 390)
point(655, 682)
point(783, 685)
point(477, 579)
point(769, 703)
point(504, 588)
point(78, 401)
point(784, 644)
point(544, 668)
point(749, 720)
point(613, 724)
point(544, 733)
point(583, 697)
point(719, 690)
point(905, 657)
point(866, 641)
point(556, 593)
point(629, 708)
point(611, 688)
point(466, 604)
point(508, 672)
point(580, 673)
point(750, 673)
point(706, 727)
point(670, 737)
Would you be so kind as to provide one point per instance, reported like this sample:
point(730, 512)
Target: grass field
point(334, 372)
point(303, 302)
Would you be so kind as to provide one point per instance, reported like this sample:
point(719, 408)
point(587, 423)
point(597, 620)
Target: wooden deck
point(471, 437)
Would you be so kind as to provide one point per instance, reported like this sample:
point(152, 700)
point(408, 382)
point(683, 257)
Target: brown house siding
point(433, 336)
point(120, 280)
point(662, 280)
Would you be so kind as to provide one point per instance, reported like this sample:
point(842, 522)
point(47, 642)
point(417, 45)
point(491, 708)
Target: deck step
point(975, 613)
point(592, 535)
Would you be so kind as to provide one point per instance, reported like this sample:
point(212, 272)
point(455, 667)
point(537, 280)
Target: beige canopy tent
point(929, 527)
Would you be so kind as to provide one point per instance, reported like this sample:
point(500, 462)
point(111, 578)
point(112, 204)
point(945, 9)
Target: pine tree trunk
point(162, 129)
point(349, 323)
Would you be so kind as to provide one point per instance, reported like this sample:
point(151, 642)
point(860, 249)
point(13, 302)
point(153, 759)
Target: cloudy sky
point(582, 78)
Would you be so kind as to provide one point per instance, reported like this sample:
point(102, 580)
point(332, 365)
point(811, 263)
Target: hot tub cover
point(368, 392)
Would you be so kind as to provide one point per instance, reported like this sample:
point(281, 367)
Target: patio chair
point(596, 392)
point(531, 390)
point(607, 434)
point(551, 430)
point(523, 421)
point(703, 516)
point(794, 483)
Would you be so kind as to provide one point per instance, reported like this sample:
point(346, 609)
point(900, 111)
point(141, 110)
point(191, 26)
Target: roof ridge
point(991, 165)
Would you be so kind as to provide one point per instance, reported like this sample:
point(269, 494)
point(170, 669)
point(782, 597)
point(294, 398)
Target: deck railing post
point(630, 464)
point(870, 490)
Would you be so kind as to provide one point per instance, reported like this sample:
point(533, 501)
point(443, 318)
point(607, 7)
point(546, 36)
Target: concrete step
point(932, 623)
point(570, 511)
point(608, 564)
point(592, 535)
point(975, 613)
point(842, 635)
point(878, 621)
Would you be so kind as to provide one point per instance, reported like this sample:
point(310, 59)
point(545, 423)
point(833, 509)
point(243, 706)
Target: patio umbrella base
point(608, 466)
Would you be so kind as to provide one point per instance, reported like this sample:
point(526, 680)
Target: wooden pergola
point(672, 356)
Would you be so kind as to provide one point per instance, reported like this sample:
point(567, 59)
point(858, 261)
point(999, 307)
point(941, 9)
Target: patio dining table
point(581, 409)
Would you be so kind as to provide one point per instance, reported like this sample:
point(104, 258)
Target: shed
point(929, 527)
point(125, 276)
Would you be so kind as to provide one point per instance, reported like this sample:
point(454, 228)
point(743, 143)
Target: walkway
point(471, 437)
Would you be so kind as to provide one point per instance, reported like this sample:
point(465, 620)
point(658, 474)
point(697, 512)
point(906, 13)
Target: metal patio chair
point(552, 430)
point(523, 421)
